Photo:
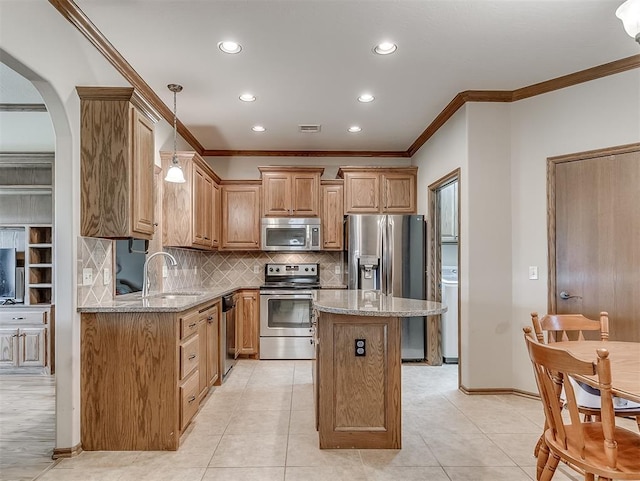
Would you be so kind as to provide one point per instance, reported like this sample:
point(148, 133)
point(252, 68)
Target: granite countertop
point(372, 303)
point(174, 301)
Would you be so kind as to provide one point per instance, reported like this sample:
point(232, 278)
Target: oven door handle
point(282, 295)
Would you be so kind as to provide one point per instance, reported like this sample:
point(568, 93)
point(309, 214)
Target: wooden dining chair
point(572, 327)
point(596, 448)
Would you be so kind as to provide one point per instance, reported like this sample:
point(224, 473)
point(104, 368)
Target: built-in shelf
point(39, 275)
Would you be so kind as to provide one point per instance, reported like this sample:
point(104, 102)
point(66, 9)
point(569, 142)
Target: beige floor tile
point(223, 401)
point(414, 452)
point(100, 459)
point(303, 450)
point(506, 422)
point(82, 474)
point(441, 423)
point(265, 400)
point(404, 473)
point(259, 422)
point(466, 450)
point(26, 472)
point(163, 473)
point(486, 474)
point(209, 422)
point(250, 450)
point(302, 373)
point(303, 422)
point(563, 473)
point(325, 473)
point(244, 474)
point(518, 447)
point(194, 452)
point(302, 397)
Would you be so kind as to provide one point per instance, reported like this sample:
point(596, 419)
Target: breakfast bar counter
point(357, 370)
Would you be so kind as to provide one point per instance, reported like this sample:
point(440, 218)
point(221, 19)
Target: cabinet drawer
point(188, 324)
point(189, 399)
point(23, 317)
point(189, 356)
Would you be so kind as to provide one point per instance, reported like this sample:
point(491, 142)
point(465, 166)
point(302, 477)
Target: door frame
point(552, 163)
point(433, 351)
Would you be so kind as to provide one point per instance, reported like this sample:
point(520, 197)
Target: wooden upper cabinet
point(116, 163)
point(332, 214)
point(240, 215)
point(217, 218)
point(373, 190)
point(190, 215)
point(291, 191)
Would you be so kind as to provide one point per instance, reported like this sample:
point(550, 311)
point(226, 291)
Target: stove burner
point(291, 276)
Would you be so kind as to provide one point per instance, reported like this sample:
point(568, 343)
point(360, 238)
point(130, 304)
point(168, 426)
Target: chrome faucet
point(145, 279)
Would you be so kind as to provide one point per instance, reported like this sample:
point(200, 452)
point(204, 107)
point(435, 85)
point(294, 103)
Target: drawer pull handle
point(18, 318)
point(210, 318)
point(191, 326)
point(191, 399)
point(192, 357)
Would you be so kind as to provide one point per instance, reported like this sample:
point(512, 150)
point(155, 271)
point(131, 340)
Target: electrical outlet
point(533, 272)
point(336, 269)
point(106, 276)
point(256, 269)
point(87, 276)
point(361, 347)
point(165, 271)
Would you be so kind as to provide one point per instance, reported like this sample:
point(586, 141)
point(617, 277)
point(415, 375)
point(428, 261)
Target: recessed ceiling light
point(230, 47)
point(247, 97)
point(258, 128)
point(385, 48)
point(354, 129)
point(366, 98)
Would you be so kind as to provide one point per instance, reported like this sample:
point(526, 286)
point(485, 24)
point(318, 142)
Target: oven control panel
point(291, 270)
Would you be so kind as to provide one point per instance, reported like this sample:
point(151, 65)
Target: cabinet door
point(399, 193)
point(142, 193)
point(213, 345)
point(240, 217)
point(250, 320)
point(362, 193)
point(215, 216)
point(305, 190)
point(448, 213)
point(202, 207)
point(202, 364)
point(239, 325)
point(31, 342)
point(276, 192)
point(8, 347)
point(332, 217)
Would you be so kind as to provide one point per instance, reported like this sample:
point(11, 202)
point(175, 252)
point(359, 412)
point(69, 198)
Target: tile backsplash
point(196, 269)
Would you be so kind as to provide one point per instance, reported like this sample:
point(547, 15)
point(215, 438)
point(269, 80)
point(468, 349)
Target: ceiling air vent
point(309, 128)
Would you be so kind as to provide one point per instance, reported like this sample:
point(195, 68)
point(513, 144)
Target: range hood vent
point(309, 128)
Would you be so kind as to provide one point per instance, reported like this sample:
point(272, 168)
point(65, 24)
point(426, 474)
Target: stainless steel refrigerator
point(387, 253)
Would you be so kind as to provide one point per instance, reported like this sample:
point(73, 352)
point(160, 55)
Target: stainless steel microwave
point(291, 234)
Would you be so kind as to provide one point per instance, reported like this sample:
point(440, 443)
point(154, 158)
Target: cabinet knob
point(191, 399)
point(210, 318)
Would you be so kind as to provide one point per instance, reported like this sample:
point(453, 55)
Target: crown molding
point(73, 14)
point(23, 108)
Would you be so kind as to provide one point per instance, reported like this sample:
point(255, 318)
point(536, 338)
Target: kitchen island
point(357, 370)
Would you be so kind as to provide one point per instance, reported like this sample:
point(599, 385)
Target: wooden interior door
point(594, 255)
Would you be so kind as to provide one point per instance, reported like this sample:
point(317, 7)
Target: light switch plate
point(533, 272)
point(256, 269)
point(106, 276)
point(87, 276)
point(336, 269)
point(165, 271)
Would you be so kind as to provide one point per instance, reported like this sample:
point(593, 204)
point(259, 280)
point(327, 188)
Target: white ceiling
point(307, 61)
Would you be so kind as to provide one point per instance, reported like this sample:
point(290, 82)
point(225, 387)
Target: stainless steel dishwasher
point(228, 348)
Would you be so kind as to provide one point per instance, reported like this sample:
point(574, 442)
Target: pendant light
point(629, 13)
point(175, 174)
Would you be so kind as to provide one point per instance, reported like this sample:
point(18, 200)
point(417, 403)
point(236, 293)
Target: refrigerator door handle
point(389, 255)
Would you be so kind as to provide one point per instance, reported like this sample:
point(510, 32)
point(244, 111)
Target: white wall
point(502, 150)
point(594, 115)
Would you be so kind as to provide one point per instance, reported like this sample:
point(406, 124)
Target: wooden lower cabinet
point(247, 309)
point(24, 338)
point(143, 376)
point(213, 345)
point(358, 396)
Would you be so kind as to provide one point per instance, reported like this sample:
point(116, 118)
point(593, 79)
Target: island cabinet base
point(129, 379)
point(358, 394)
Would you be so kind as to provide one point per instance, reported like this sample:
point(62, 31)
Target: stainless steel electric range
point(286, 301)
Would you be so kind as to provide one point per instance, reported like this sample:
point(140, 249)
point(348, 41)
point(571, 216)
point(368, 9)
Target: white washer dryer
point(450, 318)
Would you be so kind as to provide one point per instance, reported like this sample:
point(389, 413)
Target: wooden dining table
point(625, 364)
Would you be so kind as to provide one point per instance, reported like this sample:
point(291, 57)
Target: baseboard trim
point(495, 390)
point(67, 452)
